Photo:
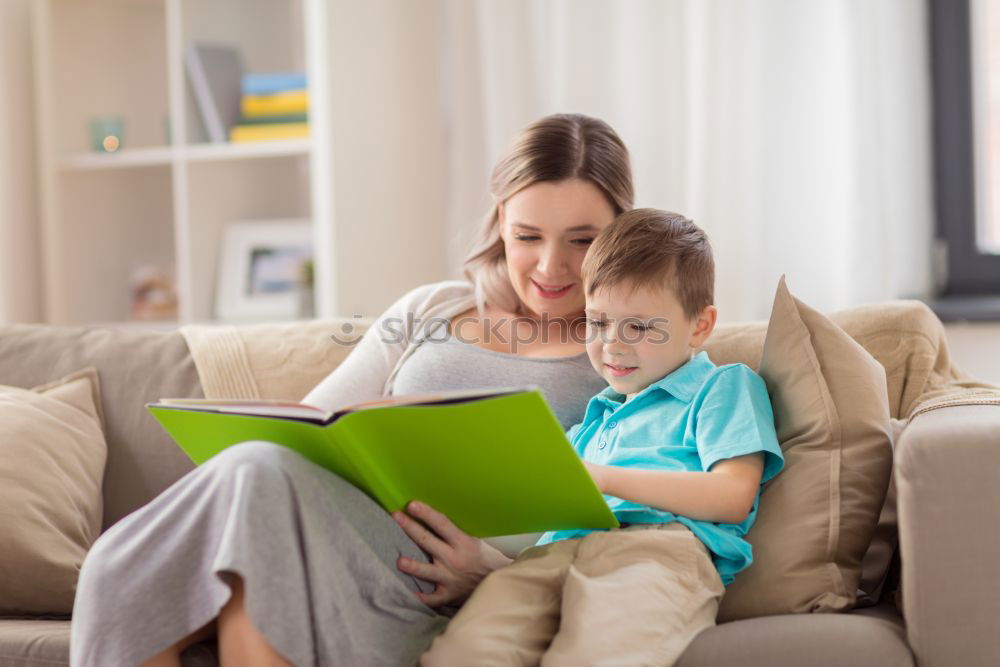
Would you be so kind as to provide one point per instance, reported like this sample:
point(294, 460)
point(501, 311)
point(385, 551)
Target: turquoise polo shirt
point(689, 420)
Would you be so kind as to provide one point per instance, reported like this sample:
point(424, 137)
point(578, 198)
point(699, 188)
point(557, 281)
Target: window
point(965, 64)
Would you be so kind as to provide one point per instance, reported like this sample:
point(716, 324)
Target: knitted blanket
point(272, 361)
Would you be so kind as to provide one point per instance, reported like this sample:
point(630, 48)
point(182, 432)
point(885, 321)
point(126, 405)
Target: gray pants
point(317, 556)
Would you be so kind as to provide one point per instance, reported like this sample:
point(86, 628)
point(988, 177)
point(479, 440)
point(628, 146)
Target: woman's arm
point(723, 495)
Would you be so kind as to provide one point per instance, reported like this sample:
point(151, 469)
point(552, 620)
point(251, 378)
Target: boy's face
point(637, 338)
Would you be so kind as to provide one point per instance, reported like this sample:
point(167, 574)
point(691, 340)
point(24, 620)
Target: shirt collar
point(682, 383)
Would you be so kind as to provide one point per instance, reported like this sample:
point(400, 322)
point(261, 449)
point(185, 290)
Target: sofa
point(937, 605)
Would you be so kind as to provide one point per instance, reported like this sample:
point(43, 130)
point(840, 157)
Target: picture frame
point(260, 268)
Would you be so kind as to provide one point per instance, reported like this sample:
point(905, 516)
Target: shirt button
point(604, 443)
point(612, 424)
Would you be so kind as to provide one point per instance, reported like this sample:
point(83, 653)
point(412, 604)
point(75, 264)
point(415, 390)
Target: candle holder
point(107, 133)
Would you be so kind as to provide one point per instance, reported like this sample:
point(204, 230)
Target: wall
point(20, 276)
point(975, 348)
point(389, 144)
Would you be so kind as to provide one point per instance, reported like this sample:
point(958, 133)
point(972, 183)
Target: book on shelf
point(215, 72)
point(268, 131)
point(495, 461)
point(278, 104)
point(270, 83)
point(265, 120)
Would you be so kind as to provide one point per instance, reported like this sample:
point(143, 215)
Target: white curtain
point(20, 289)
point(796, 133)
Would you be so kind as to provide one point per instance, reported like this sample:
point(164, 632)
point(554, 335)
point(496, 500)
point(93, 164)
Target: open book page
point(268, 408)
point(454, 396)
point(290, 409)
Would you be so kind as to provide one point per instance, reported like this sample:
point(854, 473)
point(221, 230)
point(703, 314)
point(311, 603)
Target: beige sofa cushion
point(52, 455)
point(816, 519)
point(135, 367)
point(867, 638)
point(33, 642)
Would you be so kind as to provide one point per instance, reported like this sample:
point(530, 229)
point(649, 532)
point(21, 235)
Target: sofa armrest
point(947, 468)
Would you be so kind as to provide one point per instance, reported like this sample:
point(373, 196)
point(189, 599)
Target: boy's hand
point(459, 561)
point(598, 473)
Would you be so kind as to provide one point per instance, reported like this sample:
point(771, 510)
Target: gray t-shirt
point(440, 365)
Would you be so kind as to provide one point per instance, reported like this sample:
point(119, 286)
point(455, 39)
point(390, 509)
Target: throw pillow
point(52, 454)
point(816, 518)
point(885, 540)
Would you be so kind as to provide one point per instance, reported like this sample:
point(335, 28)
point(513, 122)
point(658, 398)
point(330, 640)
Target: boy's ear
point(704, 325)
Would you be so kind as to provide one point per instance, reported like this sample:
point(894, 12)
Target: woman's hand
point(458, 562)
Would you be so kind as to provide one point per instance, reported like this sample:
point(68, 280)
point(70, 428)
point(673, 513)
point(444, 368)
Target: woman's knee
point(254, 453)
point(98, 583)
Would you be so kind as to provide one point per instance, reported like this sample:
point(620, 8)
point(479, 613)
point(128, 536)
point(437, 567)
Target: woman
point(285, 562)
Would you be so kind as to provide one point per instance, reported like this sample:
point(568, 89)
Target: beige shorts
point(631, 596)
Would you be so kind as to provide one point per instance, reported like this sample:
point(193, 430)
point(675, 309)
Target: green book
point(496, 462)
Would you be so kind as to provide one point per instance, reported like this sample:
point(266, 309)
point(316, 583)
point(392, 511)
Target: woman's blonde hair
point(554, 148)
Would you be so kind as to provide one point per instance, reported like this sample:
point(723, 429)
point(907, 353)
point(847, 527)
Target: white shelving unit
point(160, 202)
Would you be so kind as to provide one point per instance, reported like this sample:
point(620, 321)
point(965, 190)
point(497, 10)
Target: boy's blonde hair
point(554, 148)
point(647, 247)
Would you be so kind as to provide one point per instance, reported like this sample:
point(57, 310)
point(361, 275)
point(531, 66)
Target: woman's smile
point(551, 291)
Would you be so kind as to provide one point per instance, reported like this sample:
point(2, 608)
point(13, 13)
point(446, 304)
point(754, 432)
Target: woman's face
point(546, 229)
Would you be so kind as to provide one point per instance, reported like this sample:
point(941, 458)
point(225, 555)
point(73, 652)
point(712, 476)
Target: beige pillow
point(816, 518)
point(52, 455)
point(885, 540)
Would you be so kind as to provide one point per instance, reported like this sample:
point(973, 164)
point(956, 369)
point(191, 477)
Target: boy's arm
point(725, 494)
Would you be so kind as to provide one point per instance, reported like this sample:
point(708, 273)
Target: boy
point(680, 448)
